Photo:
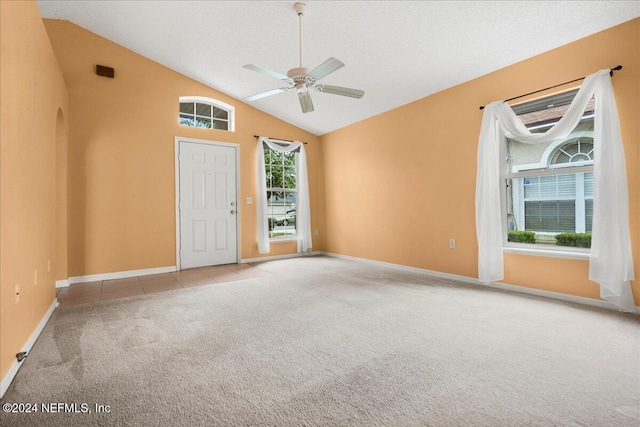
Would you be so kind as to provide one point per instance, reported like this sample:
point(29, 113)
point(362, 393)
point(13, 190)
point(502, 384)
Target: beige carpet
point(325, 341)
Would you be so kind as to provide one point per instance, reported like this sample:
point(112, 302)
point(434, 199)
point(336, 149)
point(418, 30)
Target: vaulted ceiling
point(396, 51)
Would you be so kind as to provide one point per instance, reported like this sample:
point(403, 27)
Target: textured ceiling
point(397, 52)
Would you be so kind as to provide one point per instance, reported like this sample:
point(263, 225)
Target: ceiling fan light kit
point(301, 79)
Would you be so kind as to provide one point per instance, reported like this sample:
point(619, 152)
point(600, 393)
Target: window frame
point(230, 109)
point(285, 190)
point(539, 169)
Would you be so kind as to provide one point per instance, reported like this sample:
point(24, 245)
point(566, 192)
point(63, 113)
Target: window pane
point(186, 107)
point(588, 184)
point(290, 199)
point(290, 160)
point(218, 124)
point(268, 176)
point(187, 121)
point(203, 110)
point(550, 216)
point(588, 207)
point(566, 186)
point(219, 113)
point(277, 158)
point(532, 188)
point(276, 199)
point(267, 156)
point(203, 123)
point(560, 157)
point(277, 180)
point(548, 187)
point(289, 178)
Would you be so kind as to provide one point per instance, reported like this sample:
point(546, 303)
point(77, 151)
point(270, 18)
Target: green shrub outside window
point(521, 236)
point(578, 240)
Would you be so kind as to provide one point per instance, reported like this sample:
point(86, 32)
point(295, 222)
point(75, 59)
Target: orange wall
point(33, 107)
point(392, 188)
point(401, 184)
point(121, 156)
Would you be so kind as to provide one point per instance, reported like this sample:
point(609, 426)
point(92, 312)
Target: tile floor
point(81, 293)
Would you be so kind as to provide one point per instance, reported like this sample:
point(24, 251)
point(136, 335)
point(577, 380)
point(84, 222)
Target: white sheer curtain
point(303, 211)
point(610, 260)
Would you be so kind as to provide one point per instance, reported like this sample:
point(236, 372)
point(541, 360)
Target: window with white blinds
point(554, 204)
point(550, 187)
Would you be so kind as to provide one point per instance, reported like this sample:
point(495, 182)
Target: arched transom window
point(209, 113)
point(577, 150)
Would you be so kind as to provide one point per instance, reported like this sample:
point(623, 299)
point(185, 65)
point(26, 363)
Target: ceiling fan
point(302, 79)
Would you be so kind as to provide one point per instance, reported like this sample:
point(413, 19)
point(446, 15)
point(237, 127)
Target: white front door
point(207, 204)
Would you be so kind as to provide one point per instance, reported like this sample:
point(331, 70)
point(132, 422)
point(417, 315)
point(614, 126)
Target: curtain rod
point(277, 139)
point(611, 70)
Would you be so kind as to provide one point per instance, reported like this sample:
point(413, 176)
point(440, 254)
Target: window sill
point(283, 239)
point(573, 253)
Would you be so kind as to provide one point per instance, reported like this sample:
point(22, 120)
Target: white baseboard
point(13, 370)
point(116, 275)
point(62, 283)
point(276, 257)
point(503, 286)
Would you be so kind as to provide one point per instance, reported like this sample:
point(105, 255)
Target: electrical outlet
point(49, 266)
point(317, 232)
point(452, 243)
point(35, 277)
point(17, 294)
point(248, 200)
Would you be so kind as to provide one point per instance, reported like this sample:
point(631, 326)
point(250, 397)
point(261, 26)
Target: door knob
point(232, 212)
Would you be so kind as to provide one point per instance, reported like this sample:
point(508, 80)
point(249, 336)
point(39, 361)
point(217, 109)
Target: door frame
point(236, 148)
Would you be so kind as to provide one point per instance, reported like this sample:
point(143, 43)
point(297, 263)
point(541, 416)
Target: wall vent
point(103, 71)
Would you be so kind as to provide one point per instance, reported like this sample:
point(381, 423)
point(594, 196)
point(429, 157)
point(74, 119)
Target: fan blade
point(267, 72)
point(337, 90)
point(326, 68)
point(305, 102)
point(267, 93)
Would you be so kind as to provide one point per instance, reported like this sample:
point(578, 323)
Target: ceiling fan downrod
point(300, 9)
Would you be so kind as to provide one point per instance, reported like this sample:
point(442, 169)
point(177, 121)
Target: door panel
point(207, 201)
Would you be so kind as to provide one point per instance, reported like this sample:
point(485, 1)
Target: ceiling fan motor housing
point(300, 78)
point(297, 73)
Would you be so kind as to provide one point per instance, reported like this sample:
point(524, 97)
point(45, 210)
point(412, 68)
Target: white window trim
point(289, 238)
point(550, 251)
point(230, 109)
